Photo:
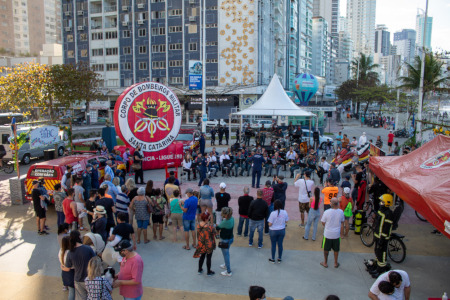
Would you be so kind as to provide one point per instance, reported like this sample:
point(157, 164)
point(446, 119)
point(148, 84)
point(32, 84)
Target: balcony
point(96, 9)
point(110, 8)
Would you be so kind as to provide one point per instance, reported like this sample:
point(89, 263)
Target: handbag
point(224, 245)
point(136, 166)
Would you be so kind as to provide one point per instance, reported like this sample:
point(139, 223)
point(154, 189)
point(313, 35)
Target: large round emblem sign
point(148, 114)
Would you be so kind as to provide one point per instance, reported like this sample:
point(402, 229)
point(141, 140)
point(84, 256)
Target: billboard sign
point(195, 75)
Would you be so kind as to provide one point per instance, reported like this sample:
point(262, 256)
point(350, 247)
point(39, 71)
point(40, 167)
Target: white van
point(38, 140)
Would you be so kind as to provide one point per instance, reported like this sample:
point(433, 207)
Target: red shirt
point(390, 137)
point(68, 213)
point(131, 269)
point(268, 195)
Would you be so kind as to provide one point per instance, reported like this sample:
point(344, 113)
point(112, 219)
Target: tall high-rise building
point(305, 19)
point(345, 46)
point(320, 47)
point(293, 64)
point(405, 42)
point(329, 10)
point(420, 23)
point(382, 40)
point(361, 24)
point(29, 24)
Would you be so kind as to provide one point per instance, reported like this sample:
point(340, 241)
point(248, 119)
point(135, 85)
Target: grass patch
point(328, 133)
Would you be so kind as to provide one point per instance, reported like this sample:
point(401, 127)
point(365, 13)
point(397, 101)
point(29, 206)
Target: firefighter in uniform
point(382, 232)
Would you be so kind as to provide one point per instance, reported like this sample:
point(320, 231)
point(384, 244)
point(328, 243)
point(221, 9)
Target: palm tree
point(363, 70)
point(364, 64)
point(433, 76)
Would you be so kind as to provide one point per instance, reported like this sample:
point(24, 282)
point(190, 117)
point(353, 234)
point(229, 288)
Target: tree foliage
point(33, 85)
point(363, 70)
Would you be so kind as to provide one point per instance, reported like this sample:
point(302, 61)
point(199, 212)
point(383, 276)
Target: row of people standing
point(221, 131)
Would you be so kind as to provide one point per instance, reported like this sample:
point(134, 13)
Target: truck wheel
point(26, 159)
point(323, 146)
point(60, 151)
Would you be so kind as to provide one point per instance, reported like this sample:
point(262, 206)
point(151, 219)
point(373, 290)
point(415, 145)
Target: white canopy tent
point(274, 102)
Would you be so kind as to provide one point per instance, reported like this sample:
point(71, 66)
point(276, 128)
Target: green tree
point(346, 89)
point(373, 94)
point(364, 74)
point(433, 75)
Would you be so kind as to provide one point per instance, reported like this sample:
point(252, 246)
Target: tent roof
point(421, 179)
point(275, 102)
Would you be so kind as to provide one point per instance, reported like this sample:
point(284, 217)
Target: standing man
point(87, 180)
point(305, 189)
point(201, 164)
point(95, 182)
point(122, 204)
point(400, 286)
point(226, 132)
point(70, 209)
point(339, 138)
point(189, 208)
point(220, 131)
point(202, 142)
point(244, 204)
point(345, 141)
point(332, 219)
point(362, 139)
point(257, 161)
point(39, 209)
point(390, 140)
point(79, 199)
point(329, 192)
point(108, 169)
point(213, 136)
point(126, 159)
point(257, 212)
point(279, 189)
point(379, 142)
point(334, 174)
point(129, 278)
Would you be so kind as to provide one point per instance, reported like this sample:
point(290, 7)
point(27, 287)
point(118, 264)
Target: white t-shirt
point(333, 219)
point(398, 292)
point(362, 140)
point(278, 221)
point(302, 193)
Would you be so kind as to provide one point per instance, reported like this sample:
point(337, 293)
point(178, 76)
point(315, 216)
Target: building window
point(126, 34)
point(176, 80)
point(98, 68)
point(212, 61)
point(159, 48)
point(143, 65)
point(159, 31)
point(126, 50)
point(192, 46)
point(112, 51)
point(113, 82)
point(127, 66)
point(158, 65)
point(158, 1)
point(211, 43)
point(142, 32)
point(83, 37)
point(212, 8)
point(70, 54)
point(142, 49)
point(84, 52)
point(175, 29)
point(112, 67)
point(175, 63)
point(70, 38)
point(111, 35)
point(176, 46)
point(211, 78)
point(128, 81)
point(97, 36)
point(175, 12)
point(214, 25)
point(97, 52)
point(158, 15)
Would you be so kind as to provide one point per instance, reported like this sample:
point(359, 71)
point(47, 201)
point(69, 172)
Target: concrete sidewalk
point(169, 267)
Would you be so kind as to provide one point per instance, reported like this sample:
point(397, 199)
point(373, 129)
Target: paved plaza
point(29, 267)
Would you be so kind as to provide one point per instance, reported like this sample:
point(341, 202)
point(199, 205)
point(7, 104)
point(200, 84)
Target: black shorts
point(389, 144)
point(329, 244)
point(40, 213)
point(158, 219)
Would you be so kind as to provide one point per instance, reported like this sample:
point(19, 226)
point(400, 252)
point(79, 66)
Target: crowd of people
point(118, 213)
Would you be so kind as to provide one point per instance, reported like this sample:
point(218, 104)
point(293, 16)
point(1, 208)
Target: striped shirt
point(122, 203)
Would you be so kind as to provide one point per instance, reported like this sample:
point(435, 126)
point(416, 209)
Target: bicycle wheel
point(8, 168)
point(396, 250)
point(421, 218)
point(367, 235)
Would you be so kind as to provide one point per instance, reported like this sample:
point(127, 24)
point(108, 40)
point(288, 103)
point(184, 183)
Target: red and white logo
point(437, 160)
point(148, 114)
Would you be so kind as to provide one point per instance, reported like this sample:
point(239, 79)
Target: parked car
point(26, 152)
point(53, 170)
point(259, 123)
point(190, 139)
point(323, 140)
point(216, 123)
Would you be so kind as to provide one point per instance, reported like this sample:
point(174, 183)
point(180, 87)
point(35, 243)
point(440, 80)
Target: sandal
point(337, 266)
point(161, 238)
point(186, 248)
point(147, 241)
point(323, 265)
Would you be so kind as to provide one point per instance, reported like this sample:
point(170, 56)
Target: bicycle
point(396, 247)
point(368, 208)
point(420, 217)
point(7, 167)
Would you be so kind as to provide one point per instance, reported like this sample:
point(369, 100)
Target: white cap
point(364, 133)
point(223, 185)
point(346, 190)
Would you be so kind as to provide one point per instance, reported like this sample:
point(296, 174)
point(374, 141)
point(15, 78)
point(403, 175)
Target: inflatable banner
point(148, 114)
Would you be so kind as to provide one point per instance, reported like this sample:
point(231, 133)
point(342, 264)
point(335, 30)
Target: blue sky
point(401, 14)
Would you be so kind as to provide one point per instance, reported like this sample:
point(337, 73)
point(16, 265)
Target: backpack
point(348, 210)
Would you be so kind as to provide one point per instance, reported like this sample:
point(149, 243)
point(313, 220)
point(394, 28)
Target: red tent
point(422, 179)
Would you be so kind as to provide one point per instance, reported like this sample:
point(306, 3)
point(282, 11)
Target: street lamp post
point(204, 116)
point(422, 74)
